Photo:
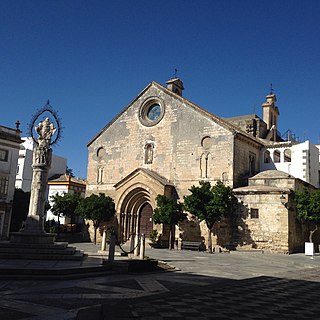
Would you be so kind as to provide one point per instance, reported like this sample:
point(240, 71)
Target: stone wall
point(178, 154)
point(266, 229)
point(242, 151)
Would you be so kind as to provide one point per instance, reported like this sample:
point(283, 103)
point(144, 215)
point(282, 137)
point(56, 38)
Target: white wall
point(304, 161)
point(24, 175)
point(55, 189)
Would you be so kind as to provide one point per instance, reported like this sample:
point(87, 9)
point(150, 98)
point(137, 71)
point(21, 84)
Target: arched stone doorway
point(135, 201)
point(136, 213)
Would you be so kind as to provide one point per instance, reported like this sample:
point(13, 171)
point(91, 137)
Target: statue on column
point(42, 154)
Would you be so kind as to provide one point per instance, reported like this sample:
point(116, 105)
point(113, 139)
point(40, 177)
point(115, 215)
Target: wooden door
point(146, 222)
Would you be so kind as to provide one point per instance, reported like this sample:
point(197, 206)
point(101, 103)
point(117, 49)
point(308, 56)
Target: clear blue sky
point(91, 58)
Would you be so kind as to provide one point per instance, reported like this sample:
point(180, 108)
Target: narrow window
point(148, 155)
point(224, 178)
point(287, 155)
point(254, 213)
point(204, 165)
point(267, 157)
point(252, 163)
point(100, 175)
point(276, 156)
point(4, 183)
point(4, 155)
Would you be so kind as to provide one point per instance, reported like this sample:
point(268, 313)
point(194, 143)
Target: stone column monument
point(33, 230)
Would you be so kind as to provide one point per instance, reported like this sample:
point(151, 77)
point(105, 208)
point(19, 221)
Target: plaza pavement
point(196, 285)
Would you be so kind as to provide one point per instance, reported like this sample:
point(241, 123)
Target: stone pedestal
point(32, 242)
point(32, 238)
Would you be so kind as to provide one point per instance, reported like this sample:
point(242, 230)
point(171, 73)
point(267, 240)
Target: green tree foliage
point(65, 204)
point(169, 212)
point(210, 204)
point(69, 172)
point(97, 208)
point(20, 207)
point(308, 209)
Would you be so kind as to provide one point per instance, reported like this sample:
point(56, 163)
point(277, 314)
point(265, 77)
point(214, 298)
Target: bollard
point(142, 246)
point(136, 246)
point(112, 248)
point(103, 243)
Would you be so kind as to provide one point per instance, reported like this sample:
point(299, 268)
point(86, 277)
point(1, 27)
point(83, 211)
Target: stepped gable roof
point(229, 126)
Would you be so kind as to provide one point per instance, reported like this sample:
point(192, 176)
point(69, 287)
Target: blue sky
point(91, 58)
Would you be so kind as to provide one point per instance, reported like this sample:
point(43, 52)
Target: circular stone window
point(206, 142)
point(151, 112)
point(100, 153)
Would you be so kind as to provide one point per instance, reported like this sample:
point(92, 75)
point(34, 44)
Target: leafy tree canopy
point(168, 211)
point(308, 208)
point(69, 172)
point(210, 203)
point(64, 204)
point(98, 208)
point(308, 205)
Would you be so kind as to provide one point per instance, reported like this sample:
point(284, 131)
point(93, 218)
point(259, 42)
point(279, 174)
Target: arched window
point(148, 155)
point(224, 178)
point(287, 155)
point(204, 165)
point(252, 163)
point(276, 156)
point(100, 153)
point(267, 158)
point(100, 175)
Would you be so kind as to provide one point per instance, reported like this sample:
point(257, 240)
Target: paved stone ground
point(221, 286)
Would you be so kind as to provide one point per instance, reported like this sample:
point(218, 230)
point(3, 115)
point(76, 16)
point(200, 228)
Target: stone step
point(76, 256)
point(26, 250)
point(56, 245)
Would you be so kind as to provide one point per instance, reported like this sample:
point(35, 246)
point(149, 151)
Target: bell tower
point(175, 85)
point(271, 113)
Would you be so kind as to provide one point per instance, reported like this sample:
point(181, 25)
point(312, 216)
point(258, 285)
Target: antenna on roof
point(271, 89)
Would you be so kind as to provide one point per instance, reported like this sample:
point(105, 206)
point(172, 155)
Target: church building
point(162, 143)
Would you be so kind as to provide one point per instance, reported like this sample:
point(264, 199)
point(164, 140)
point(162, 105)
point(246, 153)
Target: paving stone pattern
point(234, 286)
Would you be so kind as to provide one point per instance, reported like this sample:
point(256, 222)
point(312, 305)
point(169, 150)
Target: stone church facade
point(162, 143)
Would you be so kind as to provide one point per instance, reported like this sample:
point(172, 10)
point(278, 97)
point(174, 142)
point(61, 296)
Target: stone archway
point(135, 200)
point(136, 213)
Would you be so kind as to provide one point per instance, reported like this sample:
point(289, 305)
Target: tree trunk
point(172, 237)
point(209, 240)
point(58, 231)
point(312, 232)
point(95, 235)
point(71, 223)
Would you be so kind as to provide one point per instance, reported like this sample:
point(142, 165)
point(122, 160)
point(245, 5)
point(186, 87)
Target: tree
point(210, 204)
point(20, 207)
point(65, 204)
point(69, 172)
point(98, 209)
point(308, 209)
point(169, 212)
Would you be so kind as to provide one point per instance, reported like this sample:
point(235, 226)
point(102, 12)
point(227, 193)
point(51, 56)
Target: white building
point(9, 150)
point(61, 184)
point(24, 168)
point(300, 160)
